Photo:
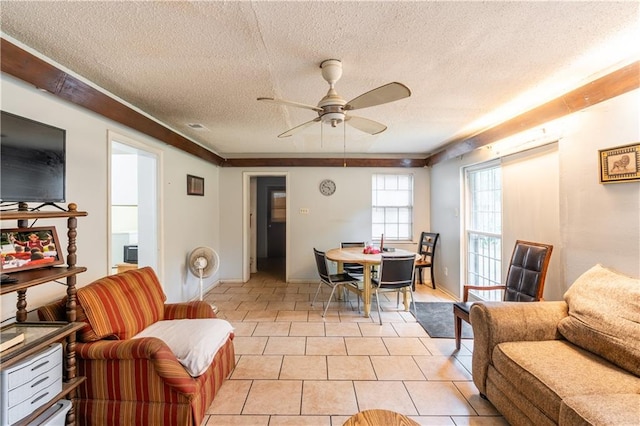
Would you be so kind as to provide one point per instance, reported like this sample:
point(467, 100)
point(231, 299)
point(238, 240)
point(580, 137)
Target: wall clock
point(327, 187)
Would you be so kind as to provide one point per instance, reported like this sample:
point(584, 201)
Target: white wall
point(189, 221)
point(344, 216)
point(600, 223)
point(597, 223)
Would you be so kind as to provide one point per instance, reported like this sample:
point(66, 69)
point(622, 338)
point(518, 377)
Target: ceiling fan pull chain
point(344, 144)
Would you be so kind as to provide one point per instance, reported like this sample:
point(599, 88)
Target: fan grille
point(200, 256)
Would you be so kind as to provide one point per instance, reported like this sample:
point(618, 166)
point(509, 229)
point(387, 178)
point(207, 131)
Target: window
point(392, 202)
point(278, 203)
point(484, 228)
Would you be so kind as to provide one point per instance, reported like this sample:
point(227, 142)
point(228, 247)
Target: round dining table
point(357, 255)
point(379, 417)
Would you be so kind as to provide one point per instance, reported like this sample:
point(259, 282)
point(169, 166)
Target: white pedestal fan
point(203, 262)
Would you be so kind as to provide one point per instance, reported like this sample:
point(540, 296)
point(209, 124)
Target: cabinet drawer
point(35, 385)
point(33, 366)
point(27, 407)
point(55, 415)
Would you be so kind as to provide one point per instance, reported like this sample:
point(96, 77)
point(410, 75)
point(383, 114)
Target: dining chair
point(353, 268)
point(427, 252)
point(332, 280)
point(525, 280)
point(395, 275)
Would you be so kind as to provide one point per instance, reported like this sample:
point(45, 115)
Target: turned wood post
point(70, 365)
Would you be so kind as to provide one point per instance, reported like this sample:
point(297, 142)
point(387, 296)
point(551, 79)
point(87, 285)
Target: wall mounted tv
point(32, 161)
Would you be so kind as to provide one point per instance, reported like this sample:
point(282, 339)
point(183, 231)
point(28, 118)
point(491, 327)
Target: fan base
point(215, 308)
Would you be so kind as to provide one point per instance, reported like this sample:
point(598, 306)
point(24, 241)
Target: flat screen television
point(32, 161)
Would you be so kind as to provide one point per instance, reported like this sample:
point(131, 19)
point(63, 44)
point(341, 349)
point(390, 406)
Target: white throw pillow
point(194, 342)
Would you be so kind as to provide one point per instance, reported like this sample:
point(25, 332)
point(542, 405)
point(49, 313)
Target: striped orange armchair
point(138, 380)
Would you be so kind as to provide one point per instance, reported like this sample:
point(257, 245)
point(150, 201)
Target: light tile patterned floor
point(296, 368)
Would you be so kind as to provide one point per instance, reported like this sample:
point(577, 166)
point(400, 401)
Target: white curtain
point(530, 195)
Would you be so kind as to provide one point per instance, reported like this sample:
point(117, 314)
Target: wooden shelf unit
point(57, 331)
point(38, 335)
point(36, 277)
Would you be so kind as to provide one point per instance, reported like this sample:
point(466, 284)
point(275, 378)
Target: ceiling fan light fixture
point(333, 118)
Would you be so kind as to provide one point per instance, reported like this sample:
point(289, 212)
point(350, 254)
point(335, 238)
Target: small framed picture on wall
point(195, 185)
point(620, 164)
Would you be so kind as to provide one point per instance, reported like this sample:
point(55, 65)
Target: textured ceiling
point(207, 62)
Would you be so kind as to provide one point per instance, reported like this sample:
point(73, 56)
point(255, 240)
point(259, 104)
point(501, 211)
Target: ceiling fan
point(332, 109)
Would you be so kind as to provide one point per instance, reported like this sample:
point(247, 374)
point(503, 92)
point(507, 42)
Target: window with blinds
point(392, 207)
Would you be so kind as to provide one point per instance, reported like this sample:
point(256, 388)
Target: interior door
point(276, 222)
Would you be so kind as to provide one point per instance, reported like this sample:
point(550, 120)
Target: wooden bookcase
point(39, 335)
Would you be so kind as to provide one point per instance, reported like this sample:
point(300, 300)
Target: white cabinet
point(30, 384)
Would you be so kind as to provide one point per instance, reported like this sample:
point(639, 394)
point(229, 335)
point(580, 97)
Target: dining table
point(357, 255)
point(379, 417)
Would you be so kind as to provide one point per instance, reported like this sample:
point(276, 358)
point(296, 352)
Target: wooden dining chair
point(525, 280)
point(427, 252)
point(395, 275)
point(332, 280)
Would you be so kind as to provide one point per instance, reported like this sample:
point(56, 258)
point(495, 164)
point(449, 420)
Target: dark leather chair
point(525, 280)
point(353, 268)
point(332, 280)
point(395, 275)
point(427, 251)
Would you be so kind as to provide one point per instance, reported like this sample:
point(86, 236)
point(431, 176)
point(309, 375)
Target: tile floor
point(296, 368)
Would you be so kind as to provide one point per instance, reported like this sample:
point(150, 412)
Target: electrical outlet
point(304, 210)
point(446, 271)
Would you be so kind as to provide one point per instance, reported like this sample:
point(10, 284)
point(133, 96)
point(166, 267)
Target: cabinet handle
point(40, 381)
point(40, 365)
point(39, 398)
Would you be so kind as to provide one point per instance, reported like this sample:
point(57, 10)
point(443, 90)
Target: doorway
point(272, 222)
point(134, 207)
point(266, 225)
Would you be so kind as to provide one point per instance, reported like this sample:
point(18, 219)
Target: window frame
point(488, 260)
point(375, 196)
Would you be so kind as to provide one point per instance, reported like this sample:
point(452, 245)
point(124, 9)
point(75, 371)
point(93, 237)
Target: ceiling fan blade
point(365, 125)
point(383, 94)
point(290, 103)
point(298, 128)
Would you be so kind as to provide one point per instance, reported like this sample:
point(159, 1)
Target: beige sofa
point(575, 362)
